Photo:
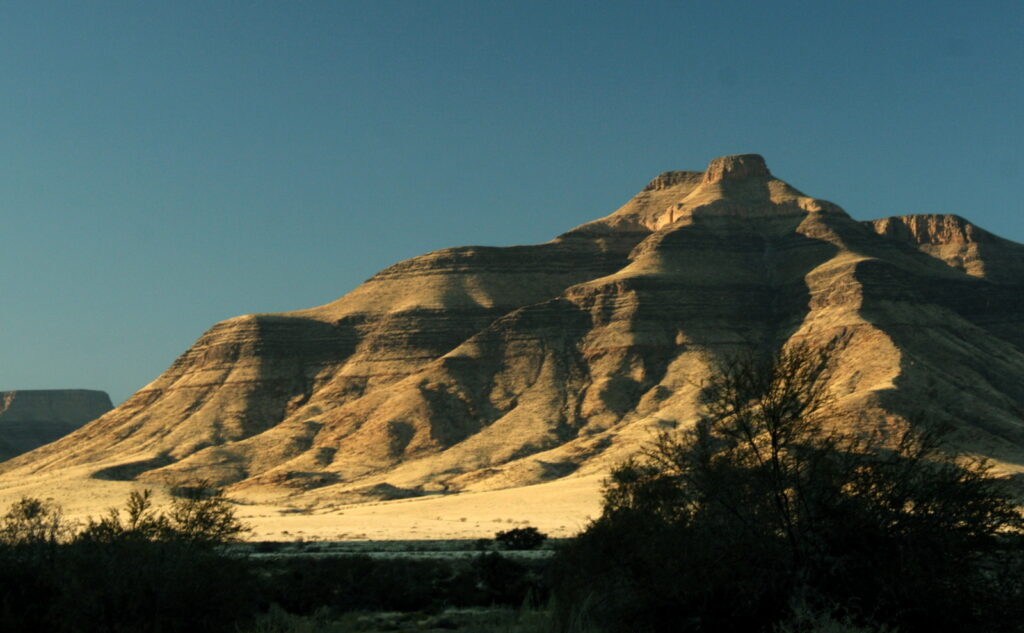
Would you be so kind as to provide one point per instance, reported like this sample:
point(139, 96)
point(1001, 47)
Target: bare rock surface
point(481, 368)
point(31, 418)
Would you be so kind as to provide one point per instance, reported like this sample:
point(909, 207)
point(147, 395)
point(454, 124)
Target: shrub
point(520, 538)
point(138, 570)
point(31, 521)
point(719, 527)
point(198, 514)
point(204, 514)
point(142, 522)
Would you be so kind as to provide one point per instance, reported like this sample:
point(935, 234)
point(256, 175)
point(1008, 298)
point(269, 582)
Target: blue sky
point(166, 165)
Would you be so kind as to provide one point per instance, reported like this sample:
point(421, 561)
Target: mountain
point(478, 368)
point(31, 418)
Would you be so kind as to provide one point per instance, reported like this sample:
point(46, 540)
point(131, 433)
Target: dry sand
point(560, 508)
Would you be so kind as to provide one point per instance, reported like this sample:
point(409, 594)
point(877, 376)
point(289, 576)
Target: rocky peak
point(736, 167)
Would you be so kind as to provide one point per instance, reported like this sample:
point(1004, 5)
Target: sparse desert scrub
point(722, 526)
point(198, 514)
point(138, 570)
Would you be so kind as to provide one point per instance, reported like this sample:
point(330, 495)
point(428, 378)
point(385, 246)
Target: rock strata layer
point(478, 368)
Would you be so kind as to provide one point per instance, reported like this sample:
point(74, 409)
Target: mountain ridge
point(476, 368)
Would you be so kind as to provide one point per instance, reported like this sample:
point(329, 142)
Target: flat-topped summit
point(736, 167)
point(735, 186)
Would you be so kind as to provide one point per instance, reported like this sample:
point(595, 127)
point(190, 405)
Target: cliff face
point(29, 419)
point(478, 367)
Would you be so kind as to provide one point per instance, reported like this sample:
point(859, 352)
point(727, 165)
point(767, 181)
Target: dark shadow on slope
point(758, 312)
point(130, 470)
point(962, 354)
point(292, 350)
point(549, 331)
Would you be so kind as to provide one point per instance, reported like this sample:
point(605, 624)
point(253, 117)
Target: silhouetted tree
point(763, 503)
point(32, 521)
point(204, 514)
point(200, 515)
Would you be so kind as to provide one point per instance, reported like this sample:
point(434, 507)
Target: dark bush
point(501, 581)
point(763, 505)
point(520, 538)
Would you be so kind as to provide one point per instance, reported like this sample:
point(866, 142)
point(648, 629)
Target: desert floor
point(560, 508)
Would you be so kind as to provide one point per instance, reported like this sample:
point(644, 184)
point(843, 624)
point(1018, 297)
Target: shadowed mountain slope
point(481, 367)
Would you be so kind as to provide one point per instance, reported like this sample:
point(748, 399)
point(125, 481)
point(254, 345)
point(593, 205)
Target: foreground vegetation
point(140, 570)
point(762, 517)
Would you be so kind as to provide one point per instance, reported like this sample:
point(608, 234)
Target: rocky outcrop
point(481, 367)
point(958, 243)
point(31, 418)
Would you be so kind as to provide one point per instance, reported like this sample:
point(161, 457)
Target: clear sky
point(166, 165)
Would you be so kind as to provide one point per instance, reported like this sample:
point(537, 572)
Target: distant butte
point(478, 368)
point(31, 418)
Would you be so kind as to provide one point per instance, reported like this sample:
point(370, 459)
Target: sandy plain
point(560, 508)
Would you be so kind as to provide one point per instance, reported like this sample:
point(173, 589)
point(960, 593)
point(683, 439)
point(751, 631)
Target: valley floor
point(560, 508)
